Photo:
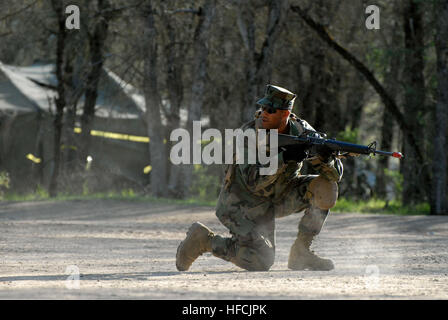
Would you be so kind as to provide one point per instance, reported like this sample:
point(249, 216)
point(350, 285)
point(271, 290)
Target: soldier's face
point(274, 120)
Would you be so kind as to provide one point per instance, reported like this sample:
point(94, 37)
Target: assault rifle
point(340, 149)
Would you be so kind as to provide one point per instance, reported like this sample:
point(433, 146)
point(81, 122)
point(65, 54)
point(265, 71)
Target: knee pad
point(324, 193)
point(261, 263)
point(254, 259)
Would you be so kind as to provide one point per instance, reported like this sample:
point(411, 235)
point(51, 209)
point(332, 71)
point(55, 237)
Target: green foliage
point(124, 195)
point(376, 57)
point(380, 206)
point(397, 178)
point(343, 205)
point(205, 185)
point(85, 189)
point(128, 193)
point(4, 182)
point(348, 135)
point(41, 192)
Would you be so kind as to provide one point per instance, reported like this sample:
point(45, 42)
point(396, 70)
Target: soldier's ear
point(285, 114)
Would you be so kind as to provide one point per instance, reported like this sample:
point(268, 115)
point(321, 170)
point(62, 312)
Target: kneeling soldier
point(249, 202)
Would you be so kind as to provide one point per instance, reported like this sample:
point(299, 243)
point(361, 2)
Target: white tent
point(26, 108)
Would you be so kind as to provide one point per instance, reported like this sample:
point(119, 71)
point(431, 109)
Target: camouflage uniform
point(249, 204)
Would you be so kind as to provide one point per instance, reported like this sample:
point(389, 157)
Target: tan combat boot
point(197, 242)
point(301, 258)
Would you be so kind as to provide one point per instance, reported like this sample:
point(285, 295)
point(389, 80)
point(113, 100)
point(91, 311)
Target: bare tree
point(259, 64)
point(414, 100)
point(439, 202)
point(200, 53)
point(157, 148)
point(175, 49)
point(391, 84)
point(60, 100)
point(96, 47)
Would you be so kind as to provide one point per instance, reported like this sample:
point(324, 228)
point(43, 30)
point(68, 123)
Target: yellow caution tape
point(116, 136)
point(68, 147)
point(33, 158)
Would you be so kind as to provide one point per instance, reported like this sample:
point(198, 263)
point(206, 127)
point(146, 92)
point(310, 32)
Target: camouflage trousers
point(252, 242)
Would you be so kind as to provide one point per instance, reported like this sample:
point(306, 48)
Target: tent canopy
point(37, 83)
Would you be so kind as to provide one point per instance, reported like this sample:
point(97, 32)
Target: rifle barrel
point(347, 147)
point(397, 155)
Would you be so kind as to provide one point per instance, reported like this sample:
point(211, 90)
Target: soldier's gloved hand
point(332, 171)
point(295, 152)
point(324, 152)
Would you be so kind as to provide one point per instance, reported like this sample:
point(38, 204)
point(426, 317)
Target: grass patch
point(380, 206)
point(343, 205)
point(124, 195)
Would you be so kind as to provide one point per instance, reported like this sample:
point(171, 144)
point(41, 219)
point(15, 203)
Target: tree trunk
point(325, 80)
point(259, 64)
point(439, 201)
point(414, 101)
point(387, 134)
point(355, 103)
point(38, 168)
point(174, 51)
point(246, 25)
point(175, 93)
point(391, 84)
point(96, 45)
point(157, 148)
point(200, 43)
point(70, 150)
point(60, 100)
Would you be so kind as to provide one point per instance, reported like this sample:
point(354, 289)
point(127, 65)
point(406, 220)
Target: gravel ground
point(126, 250)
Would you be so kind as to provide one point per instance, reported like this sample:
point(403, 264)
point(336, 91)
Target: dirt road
point(126, 250)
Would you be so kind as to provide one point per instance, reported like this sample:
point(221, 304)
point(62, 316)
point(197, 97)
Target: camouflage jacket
point(269, 186)
point(246, 195)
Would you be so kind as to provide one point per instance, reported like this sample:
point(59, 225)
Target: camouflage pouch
point(230, 172)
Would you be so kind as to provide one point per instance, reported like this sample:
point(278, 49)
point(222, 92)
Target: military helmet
point(277, 97)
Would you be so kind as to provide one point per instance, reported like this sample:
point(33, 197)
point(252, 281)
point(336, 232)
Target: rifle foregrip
point(347, 147)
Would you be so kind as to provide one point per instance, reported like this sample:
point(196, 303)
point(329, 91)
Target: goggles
point(269, 109)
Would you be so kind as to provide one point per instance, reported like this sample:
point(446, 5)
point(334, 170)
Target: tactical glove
point(324, 152)
point(295, 152)
point(331, 170)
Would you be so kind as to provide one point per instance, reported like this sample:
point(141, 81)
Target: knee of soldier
point(262, 262)
point(324, 193)
point(252, 259)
